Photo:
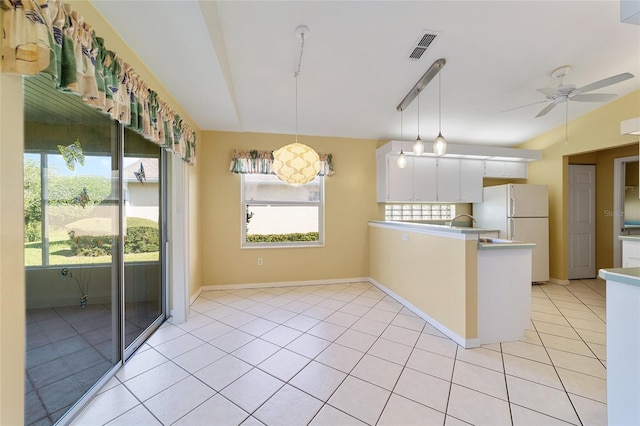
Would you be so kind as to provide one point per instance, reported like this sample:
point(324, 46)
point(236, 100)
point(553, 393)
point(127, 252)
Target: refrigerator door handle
point(512, 206)
point(512, 229)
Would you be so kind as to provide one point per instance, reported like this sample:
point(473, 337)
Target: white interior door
point(582, 224)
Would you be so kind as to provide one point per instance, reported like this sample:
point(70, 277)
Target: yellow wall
point(604, 162)
point(436, 274)
point(350, 201)
point(597, 130)
point(12, 288)
point(12, 283)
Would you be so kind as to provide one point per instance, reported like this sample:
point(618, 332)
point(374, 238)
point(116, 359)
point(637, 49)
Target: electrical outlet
point(259, 261)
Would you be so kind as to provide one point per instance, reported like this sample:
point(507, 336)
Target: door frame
point(178, 248)
point(618, 205)
point(593, 230)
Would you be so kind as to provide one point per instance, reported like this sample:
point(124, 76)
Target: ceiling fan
point(569, 92)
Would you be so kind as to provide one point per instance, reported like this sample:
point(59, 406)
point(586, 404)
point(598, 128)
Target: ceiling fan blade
point(523, 106)
point(593, 97)
point(548, 108)
point(549, 91)
point(605, 82)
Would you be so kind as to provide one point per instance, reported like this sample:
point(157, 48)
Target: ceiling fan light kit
point(569, 92)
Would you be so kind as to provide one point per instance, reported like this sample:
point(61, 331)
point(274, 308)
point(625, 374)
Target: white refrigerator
point(521, 213)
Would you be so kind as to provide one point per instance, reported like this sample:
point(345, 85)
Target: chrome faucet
point(473, 220)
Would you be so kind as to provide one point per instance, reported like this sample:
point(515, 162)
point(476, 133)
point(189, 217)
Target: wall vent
point(425, 40)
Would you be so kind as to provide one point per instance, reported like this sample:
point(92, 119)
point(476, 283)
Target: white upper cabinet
point(505, 169)
point(399, 182)
point(454, 178)
point(414, 183)
point(449, 180)
point(459, 180)
point(429, 179)
point(470, 181)
point(425, 179)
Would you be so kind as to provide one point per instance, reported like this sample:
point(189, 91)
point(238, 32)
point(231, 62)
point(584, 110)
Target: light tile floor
point(348, 354)
point(68, 350)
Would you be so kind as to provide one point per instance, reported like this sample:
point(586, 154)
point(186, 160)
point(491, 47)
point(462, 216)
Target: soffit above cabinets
point(477, 152)
point(630, 126)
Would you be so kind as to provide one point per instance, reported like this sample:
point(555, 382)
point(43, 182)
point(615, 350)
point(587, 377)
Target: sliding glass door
point(143, 248)
point(93, 248)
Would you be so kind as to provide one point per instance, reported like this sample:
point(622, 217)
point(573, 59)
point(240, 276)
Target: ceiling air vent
point(424, 41)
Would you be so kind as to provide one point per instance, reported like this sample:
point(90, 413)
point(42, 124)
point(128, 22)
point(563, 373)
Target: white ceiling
point(231, 64)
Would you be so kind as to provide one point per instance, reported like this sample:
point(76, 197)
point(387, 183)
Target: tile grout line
point(284, 347)
point(575, 330)
point(378, 338)
point(560, 379)
point(506, 383)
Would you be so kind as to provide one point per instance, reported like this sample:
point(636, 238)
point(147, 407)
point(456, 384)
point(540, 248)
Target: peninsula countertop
point(630, 276)
point(431, 228)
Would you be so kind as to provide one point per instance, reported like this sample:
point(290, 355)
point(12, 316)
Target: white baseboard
point(194, 296)
point(465, 343)
point(280, 284)
point(558, 281)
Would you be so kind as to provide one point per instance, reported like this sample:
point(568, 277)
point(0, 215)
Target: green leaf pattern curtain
point(46, 36)
point(261, 162)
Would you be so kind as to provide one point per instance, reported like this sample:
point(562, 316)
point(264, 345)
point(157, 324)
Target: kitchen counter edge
point(429, 228)
point(629, 276)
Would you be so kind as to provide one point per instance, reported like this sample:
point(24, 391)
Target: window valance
point(261, 162)
point(46, 36)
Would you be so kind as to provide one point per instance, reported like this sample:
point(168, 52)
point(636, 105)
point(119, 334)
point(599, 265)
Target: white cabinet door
point(470, 181)
point(448, 180)
point(381, 178)
point(505, 169)
point(630, 254)
point(399, 182)
point(428, 180)
point(425, 179)
point(514, 169)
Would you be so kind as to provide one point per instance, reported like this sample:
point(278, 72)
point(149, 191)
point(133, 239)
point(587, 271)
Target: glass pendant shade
point(440, 145)
point(418, 146)
point(296, 164)
point(402, 160)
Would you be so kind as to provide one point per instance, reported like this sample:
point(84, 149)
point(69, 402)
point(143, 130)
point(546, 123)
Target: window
point(275, 214)
point(419, 211)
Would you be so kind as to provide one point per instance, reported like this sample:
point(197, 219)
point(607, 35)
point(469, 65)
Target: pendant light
point(440, 143)
point(418, 145)
point(296, 163)
point(402, 159)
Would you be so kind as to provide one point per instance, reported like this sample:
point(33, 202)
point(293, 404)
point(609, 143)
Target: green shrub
point(283, 238)
point(141, 239)
point(32, 232)
point(90, 246)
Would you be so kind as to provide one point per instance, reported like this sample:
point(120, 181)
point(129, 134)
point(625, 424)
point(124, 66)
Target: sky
point(93, 165)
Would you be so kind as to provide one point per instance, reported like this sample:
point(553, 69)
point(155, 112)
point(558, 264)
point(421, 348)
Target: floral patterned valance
point(261, 162)
point(46, 36)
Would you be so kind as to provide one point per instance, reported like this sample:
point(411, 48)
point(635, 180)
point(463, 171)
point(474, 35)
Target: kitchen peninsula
point(473, 288)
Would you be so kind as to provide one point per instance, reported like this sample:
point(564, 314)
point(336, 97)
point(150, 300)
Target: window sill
point(282, 245)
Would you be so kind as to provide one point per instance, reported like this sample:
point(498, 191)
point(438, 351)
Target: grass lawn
point(60, 253)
